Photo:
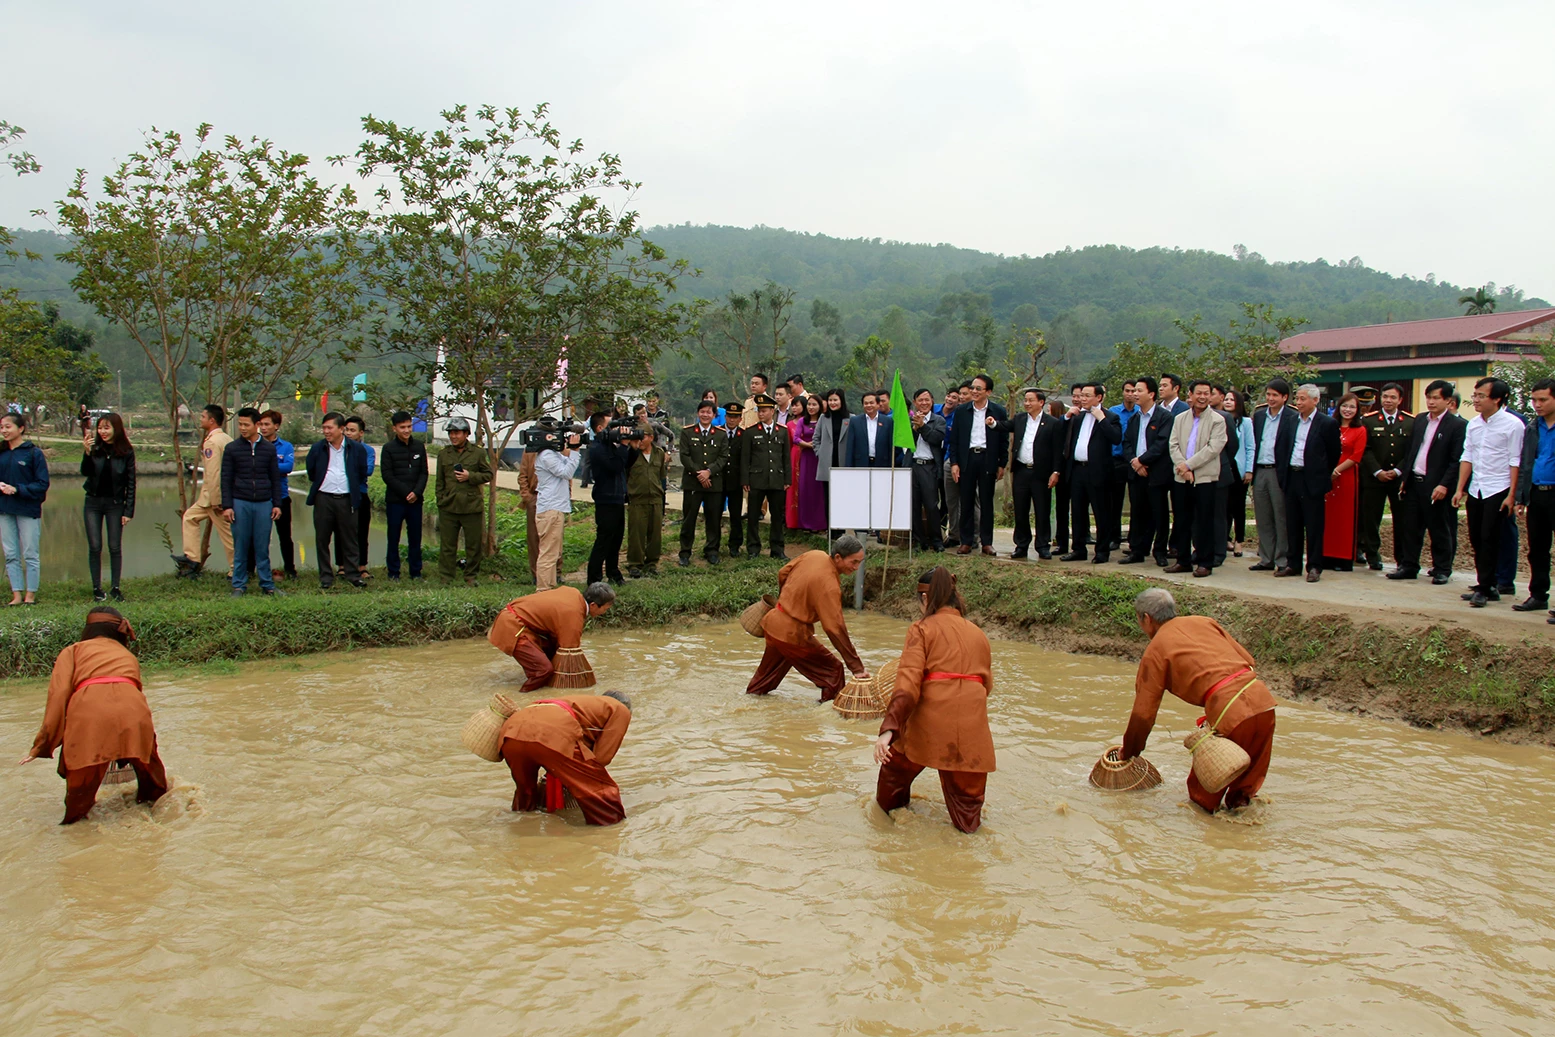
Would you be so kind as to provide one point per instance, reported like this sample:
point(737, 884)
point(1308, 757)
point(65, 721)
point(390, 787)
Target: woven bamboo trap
point(864, 700)
point(757, 611)
point(1115, 775)
point(1217, 761)
point(119, 771)
point(482, 733)
point(572, 670)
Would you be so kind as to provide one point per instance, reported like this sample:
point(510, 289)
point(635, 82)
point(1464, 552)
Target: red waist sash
point(942, 675)
point(558, 702)
point(109, 680)
point(555, 791)
point(1218, 686)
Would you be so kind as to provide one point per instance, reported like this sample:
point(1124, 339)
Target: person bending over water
point(573, 737)
point(532, 629)
point(809, 592)
point(938, 714)
point(1195, 659)
point(97, 715)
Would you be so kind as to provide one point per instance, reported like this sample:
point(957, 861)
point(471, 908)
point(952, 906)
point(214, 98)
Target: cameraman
point(609, 458)
point(554, 468)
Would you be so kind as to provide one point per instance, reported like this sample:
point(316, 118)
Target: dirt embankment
point(1434, 676)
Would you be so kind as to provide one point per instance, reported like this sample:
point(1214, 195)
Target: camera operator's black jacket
point(608, 463)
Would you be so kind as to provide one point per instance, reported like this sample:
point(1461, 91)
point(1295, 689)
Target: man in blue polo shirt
point(1536, 495)
point(1119, 476)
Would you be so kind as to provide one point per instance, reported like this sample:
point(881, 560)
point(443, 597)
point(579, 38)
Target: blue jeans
point(251, 540)
point(19, 542)
point(410, 516)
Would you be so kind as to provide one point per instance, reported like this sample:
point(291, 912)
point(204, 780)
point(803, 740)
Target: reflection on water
point(63, 544)
point(339, 864)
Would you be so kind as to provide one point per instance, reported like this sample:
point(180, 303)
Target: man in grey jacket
point(1198, 439)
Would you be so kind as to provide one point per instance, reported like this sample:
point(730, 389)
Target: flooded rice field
point(332, 861)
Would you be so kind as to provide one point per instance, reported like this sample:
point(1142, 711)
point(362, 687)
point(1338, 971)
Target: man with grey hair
point(810, 592)
point(1314, 455)
point(1194, 658)
point(532, 629)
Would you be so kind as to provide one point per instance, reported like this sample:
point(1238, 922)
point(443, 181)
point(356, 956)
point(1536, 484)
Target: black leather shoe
point(684, 561)
point(1473, 590)
point(753, 554)
point(1532, 605)
point(1402, 574)
point(1478, 601)
point(1074, 557)
point(1018, 554)
point(1509, 589)
point(778, 554)
point(1374, 563)
point(1100, 559)
point(1261, 567)
point(712, 559)
point(1130, 560)
point(1440, 579)
point(1046, 556)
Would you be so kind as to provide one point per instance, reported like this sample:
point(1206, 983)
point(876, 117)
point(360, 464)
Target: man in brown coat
point(97, 715)
point(574, 737)
point(809, 593)
point(532, 629)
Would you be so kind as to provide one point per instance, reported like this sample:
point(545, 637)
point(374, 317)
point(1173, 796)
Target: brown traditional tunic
point(1192, 657)
point(97, 724)
point(531, 629)
point(808, 593)
point(573, 744)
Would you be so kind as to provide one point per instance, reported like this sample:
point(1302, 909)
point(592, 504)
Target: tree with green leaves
point(514, 267)
point(1247, 354)
point(1483, 300)
point(745, 333)
point(869, 366)
point(45, 360)
point(21, 163)
point(224, 255)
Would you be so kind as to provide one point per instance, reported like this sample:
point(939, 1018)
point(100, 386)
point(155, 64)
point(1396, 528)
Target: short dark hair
point(709, 405)
point(1457, 401)
point(643, 406)
point(1498, 390)
point(275, 416)
point(597, 419)
point(1441, 387)
point(1176, 380)
point(796, 378)
point(399, 417)
point(1097, 387)
point(1394, 386)
point(1076, 387)
point(358, 421)
point(251, 413)
point(965, 385)
point(987, 382)
point(1041, 396)
point(1130, 381)
point(764, 379)
point(1543, 385)
point(338, 418)
point(1147, 382)
point(1195, 383)
point(217, 412)
point(1217, 387)
point(870, 396)
point(920, 392)
point(1279, 385)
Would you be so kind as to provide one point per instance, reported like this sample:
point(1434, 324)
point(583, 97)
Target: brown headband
point(109, 619)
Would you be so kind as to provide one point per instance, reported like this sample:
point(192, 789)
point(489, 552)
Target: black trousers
point(1198, 532)
point(1061, 514)
point(1032, 495)
point(1149, 512)
point(1417, 514)
point(776, 501)
point(333, 517)
point(1541, 525)
point(710, 504)
point(1374, 495)
point(1304, 514)
point(364, 519)
point(1117, 493)
point(97, 513)
point(734, 500)
point(1088, 496)
point(1485, 536)
point(925, 504)
point(979, 472)
point(283, 532)
point(1236, 510)
point(609, 529)
point(409, 516)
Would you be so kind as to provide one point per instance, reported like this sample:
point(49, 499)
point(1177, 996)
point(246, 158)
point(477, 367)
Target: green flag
point(901, 421)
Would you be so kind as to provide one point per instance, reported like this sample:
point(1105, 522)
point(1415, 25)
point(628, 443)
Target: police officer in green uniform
point(703, 449)
point(1382, 475)
point(462, 469)
point(734, 494)
point(766, 468)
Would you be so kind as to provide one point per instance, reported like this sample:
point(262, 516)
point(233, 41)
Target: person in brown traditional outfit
point(809, 593)
point(938, 714)
point(573, 737)
point(532, 629)
point(1195, 659)
point(97, 715)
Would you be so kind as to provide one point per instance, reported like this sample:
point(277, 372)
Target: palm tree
point(1480, 302)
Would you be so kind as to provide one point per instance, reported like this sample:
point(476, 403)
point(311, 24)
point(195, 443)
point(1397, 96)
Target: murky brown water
point(338, 864)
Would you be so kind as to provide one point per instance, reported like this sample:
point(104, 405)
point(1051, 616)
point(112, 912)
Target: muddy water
point(333, 862)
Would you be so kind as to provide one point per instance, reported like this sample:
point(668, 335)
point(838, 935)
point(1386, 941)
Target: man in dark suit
point(1430, 467)
point(1088, 458)
point(1274, 426)
point(1035, 451)
point(978, 450)
point(1382, 475)
point(766, 468)
point(928, 431)
point(1145, 448)
point(1308, 476)
point(869, 437)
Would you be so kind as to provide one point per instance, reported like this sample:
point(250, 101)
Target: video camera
point(550, 434)
point(621, 430)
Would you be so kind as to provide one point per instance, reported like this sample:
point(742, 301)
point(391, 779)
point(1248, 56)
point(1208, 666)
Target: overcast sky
point(1415, 134)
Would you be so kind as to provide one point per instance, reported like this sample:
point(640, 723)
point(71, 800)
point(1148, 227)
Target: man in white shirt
point(1487, 479)
point(978, 453)
point(928, 431)
point(1035, 439)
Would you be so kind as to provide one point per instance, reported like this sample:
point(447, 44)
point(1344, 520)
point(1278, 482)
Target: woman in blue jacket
point(24, 482)
point(1236, 492)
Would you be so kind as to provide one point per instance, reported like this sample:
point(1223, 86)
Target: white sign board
point(871, 498)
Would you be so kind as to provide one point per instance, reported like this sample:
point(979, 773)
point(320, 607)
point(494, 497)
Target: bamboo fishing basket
point(864, 700)
point(572, 670)
point(482, 733)
point(1115, 775)
point(1217, 760)
point(757, 611)
point(119, 772)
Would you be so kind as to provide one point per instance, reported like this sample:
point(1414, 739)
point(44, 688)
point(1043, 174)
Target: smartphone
point(458, 467)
